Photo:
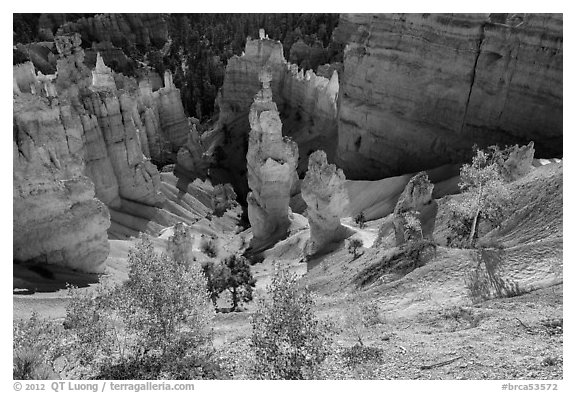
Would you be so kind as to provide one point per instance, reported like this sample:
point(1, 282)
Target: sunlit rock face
point(272, 161)
point(324, 191)
point(307, 105)
point(83, 143)
point(102, 77)
point(56, 217)
point(415, 211)
point(418, 90)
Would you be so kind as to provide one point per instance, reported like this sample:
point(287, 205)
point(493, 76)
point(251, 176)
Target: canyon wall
point(56, 217)
point(418, 90)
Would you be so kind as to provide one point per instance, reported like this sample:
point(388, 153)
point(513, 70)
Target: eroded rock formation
point(271, 161)
point(306, 103)
point(56, 218)
point(102, 77)
point(415, 211)
point(419, 89)
point(324, 191)
point(519, 162)
point(83, 140)
point(192, 160)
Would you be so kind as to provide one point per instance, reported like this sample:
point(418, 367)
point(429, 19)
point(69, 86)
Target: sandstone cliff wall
point(419, 90)
point(56, 218)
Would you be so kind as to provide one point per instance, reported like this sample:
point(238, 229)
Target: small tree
point(353, 246)
point(484, 193)
point(214, 279)
point(159, 321)
point(360, 220)
point(288, 341)
point(234, 275)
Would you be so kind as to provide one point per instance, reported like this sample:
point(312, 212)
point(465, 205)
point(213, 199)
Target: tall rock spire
point(272, 161)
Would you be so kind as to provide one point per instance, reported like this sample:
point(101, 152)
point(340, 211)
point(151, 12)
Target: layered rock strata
point(415, 211)
point(56, 217)
point(84, 134)
point(324, 191)
point(306, 103)
point(271, 161)
point(419, 90)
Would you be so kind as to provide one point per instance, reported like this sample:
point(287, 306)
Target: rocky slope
point(419, 89)
point(56, 217)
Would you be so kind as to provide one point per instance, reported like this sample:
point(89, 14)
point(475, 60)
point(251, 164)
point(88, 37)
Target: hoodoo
point(323, 190)
point(271, 161)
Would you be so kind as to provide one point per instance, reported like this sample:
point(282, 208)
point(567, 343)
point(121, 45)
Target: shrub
point(358, 354)
point(167, 305)
point(30, 364)
point(288, 341)
point(360, 220)
point(353, 246)
point(459, 314)
point(35, 347)
point(208, 247)
point(158, 324)
point(234, 275)
point(485, 282)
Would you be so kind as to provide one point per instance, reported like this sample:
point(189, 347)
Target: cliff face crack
point(478, 51)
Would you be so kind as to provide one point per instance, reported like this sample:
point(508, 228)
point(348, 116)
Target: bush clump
point(158, 324)
point(288, 340)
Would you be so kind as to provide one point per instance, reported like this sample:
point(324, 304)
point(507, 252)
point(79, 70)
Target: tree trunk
point(475, 221)
point(234, 299)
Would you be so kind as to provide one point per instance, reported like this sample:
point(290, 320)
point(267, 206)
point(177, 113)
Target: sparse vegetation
point(35, 347)
point(158, 324)
point(359, 354)
point(485, 282)
point(484, 196)
point(463, 314)
point(288, 340)
point(353, 246)
point(360, 220)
